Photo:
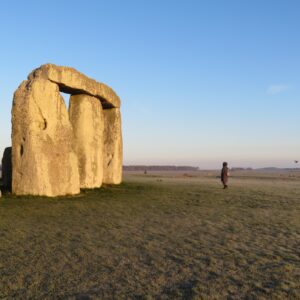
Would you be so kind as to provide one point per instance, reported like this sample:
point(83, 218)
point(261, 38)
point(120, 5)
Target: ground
point(156, 236)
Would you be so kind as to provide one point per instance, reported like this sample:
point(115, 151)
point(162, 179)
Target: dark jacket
point(224, 174)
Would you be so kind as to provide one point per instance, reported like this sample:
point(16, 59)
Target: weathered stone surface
point(86, 116)
point(44, 162)
point(7, 169)
point(55, 153)
point(73, 82)
point(112, 147)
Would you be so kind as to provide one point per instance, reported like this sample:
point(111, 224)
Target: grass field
point(156, 236)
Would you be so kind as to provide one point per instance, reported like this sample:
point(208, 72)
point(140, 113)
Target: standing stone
point(86, 116)
point(7, 169)
point(44, 162)
point(46, 148)
point(112, 147)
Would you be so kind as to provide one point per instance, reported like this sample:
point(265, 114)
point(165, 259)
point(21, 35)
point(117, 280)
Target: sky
point(201, 82)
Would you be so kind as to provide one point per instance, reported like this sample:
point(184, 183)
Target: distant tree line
point(159, 168)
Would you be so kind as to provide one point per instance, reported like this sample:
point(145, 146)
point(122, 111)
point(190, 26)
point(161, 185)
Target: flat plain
point(163, 235)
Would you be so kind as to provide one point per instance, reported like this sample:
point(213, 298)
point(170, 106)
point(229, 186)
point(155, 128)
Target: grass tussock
point(155, 237)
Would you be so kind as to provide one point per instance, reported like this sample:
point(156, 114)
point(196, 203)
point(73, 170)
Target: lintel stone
point(73, 82)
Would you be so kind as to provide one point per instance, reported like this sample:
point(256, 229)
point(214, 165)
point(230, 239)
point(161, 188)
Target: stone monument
point(56, 152)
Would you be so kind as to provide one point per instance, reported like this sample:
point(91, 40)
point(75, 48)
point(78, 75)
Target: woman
point(224, 175)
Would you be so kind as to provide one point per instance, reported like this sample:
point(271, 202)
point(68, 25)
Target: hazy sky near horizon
point(200, 81)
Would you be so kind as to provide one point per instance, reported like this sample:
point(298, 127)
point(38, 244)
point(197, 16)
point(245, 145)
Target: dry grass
point(160, 236)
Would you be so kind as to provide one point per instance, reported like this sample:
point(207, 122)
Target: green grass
point(155, 237)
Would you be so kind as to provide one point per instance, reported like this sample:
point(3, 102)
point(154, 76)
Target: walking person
point(224, 175)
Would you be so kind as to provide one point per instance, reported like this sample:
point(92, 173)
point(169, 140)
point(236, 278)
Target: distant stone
point(43, 157)
point(86, 116)
point(7, 169)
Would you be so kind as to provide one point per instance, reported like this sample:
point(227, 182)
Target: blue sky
point(200, 81)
